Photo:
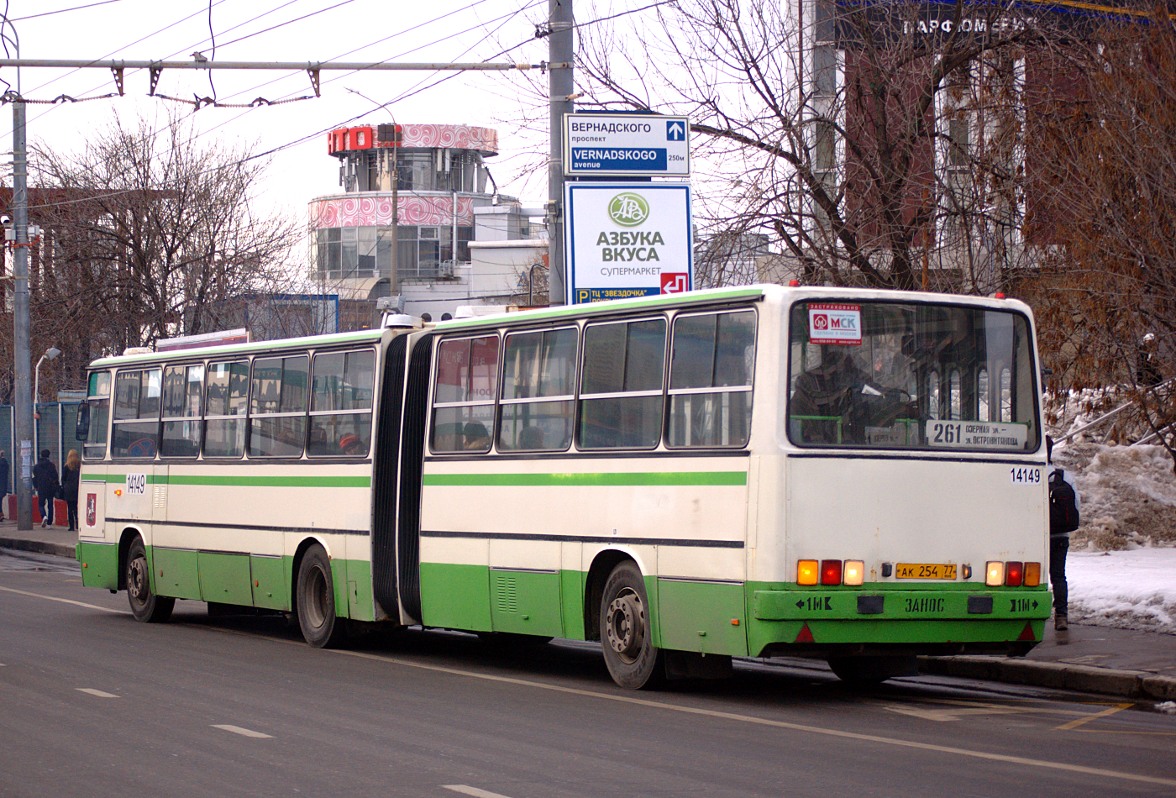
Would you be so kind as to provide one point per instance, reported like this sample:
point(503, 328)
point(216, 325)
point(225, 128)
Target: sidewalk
point(1096, 659)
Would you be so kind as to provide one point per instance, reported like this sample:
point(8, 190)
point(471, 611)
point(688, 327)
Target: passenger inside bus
point(476, 437)
point(351, 444)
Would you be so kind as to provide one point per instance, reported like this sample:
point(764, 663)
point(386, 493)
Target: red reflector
point(1027, 634)
point(1014, 573)
point(830, 572)
point(804, 635)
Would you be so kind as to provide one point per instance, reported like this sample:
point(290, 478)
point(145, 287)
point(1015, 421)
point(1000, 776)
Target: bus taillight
point(994, 574)
point(854, 572)
point(807, 572)
point(1014, 573)
point(830, 572)
point(1032, 574)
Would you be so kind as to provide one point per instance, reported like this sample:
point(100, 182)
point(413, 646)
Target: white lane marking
point(959, 713)
point(474, 791)
point(93, 692)
point(731, 716)
point(62, 600)
point(777, 724)
point(243, 732)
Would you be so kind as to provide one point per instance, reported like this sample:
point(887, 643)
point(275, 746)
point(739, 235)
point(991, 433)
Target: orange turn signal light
point(807, 572)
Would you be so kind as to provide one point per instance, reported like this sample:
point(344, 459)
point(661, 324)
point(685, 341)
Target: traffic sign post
point(629, 145)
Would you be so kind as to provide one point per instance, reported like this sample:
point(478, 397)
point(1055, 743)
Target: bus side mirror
point(82, 430)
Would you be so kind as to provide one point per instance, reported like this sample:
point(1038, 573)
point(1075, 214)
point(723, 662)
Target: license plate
point(924, 570)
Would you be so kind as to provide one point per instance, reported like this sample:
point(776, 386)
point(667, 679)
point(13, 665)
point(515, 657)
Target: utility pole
point(22, 458)
point(560, 84)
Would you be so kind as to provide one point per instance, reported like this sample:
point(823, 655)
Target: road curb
point(37, 546)
point(1057, 675)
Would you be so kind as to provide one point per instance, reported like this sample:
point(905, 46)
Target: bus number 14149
point(1025, 476)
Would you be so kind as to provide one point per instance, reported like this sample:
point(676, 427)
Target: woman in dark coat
point(71, 474)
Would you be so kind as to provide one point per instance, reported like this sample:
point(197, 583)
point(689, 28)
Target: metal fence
point(54, 430)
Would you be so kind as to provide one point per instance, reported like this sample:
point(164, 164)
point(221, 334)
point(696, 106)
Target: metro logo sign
point(834, 323)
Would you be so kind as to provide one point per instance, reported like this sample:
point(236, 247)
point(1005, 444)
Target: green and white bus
point(854, 475)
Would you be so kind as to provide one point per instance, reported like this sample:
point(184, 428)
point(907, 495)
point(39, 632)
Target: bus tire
point(625, 632)
point(863, 671)
point(316, 600)
point(145, 605)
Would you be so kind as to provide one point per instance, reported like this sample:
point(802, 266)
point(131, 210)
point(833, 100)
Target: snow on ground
point(1122, 562)
point(1133, 589)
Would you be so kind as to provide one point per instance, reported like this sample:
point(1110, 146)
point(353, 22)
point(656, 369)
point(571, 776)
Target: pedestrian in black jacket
point(4, 474)
point(46, 483)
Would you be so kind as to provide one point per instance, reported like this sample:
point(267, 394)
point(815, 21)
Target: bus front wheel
point(316, 600)
point(625, 635)
point(145, 605)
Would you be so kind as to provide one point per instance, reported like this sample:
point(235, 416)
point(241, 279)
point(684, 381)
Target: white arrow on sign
point(676, 131)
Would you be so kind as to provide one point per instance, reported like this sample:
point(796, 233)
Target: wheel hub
point(138, 580)
point(625, 629)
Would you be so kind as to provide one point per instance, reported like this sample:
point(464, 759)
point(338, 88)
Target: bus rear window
point(911, 376)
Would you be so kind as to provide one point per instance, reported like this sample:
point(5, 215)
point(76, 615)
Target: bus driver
point(836, 400)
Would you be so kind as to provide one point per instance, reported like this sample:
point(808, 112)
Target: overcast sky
point(287, 30)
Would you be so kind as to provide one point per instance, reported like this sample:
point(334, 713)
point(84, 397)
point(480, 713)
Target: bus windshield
point(894, 375)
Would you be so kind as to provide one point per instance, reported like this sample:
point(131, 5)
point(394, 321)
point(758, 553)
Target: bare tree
point(1107, 292)
point(877, 143)
point(151, 233)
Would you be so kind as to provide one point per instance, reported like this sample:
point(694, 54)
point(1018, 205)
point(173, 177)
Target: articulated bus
point(852, 475)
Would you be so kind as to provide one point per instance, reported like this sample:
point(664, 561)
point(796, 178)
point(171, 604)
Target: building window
point(362, 252)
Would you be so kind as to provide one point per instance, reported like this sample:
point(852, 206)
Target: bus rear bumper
point(952, 620)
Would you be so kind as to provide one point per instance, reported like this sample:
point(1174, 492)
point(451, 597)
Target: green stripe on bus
point(658, 302)
point(638, 479)
point(241, 481)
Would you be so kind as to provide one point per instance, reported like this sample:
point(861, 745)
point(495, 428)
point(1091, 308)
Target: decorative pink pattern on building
point(457, 137)
point(376, 211)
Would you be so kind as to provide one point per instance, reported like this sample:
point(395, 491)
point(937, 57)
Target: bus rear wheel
point(145, 605)
point(316, 600)
point(625, 633)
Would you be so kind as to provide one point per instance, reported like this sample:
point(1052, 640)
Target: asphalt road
point(93, 703)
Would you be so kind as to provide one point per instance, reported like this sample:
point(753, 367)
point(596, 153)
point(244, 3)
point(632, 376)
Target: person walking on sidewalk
point(1063, 519)
point(46, 483)
point(71, 474)
point(5, 472)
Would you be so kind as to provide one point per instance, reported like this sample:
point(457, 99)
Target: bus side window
point(621, 388)
point(278, 405)
point(711, 361)
point(183, 388)
point(464, 389)
point(341, 404)
point(136, 413)
point(538, 390)
point(224, 413)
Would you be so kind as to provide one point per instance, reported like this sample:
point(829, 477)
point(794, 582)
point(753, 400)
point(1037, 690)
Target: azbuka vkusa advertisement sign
point(626, 240)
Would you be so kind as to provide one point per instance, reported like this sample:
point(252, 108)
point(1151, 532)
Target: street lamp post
point(50, 354)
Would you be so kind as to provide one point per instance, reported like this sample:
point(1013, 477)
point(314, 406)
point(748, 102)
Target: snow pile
point(1122, 562)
